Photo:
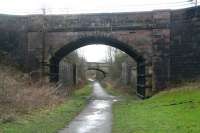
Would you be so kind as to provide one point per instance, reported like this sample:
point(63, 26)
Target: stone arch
point(97, 69)
point(89, 40)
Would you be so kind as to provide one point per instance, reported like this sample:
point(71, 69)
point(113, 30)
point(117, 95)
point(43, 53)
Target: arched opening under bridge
point(91, 40)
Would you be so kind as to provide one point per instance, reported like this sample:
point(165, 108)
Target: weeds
point(19, 95)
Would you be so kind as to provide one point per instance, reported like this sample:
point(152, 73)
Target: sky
point(92, 53)
point(85, 6)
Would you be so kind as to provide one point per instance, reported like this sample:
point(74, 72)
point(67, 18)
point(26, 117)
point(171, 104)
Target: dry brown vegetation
point(19, 95)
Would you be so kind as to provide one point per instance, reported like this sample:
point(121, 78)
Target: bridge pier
point(141, 79)
point(53, 71)
point(161, 47)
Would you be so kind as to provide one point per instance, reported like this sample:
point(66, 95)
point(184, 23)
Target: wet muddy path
point(96, 117)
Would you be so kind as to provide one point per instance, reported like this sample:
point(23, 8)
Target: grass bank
point(172, 111)
point(49, 120)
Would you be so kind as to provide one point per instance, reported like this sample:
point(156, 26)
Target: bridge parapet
point(91, 22)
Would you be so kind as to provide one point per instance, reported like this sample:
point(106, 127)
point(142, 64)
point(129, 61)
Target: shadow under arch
point(91, 40)
point(97, 69)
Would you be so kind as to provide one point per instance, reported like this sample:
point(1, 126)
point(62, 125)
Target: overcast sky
point(84, 6)
point(93, 52)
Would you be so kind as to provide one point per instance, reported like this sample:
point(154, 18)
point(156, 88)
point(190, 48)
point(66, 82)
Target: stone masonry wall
point(185, 44)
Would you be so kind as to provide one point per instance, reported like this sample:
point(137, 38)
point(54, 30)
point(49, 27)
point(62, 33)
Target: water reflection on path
point(96, 117)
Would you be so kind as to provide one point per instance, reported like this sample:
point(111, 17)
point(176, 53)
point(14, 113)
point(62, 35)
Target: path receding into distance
point(96, 117)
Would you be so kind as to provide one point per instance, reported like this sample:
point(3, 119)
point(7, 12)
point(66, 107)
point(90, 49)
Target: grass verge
point(172, 111)
point(50, 120)
point(121, 92)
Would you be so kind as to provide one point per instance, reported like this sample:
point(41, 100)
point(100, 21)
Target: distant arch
point(97, 69)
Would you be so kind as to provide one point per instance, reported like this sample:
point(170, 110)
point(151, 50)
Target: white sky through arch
point(93, 52)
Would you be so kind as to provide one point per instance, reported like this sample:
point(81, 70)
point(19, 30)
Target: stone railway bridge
point(101, 67)
point(165, 43)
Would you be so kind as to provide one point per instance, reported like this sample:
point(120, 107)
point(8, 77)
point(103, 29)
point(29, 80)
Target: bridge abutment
point(161, 48)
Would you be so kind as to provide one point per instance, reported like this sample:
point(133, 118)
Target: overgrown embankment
point(19, 95)
point(176, 110)
point(49, 120)
point(35, 107)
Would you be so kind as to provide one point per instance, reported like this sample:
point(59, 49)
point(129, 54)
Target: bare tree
point(195, 2)
point(111, 52)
